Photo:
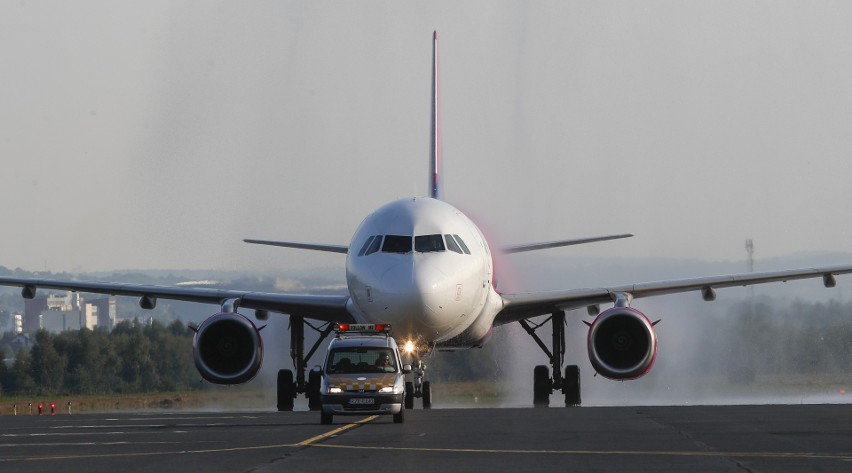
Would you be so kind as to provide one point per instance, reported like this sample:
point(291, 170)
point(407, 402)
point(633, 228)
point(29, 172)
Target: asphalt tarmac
point(701, 438)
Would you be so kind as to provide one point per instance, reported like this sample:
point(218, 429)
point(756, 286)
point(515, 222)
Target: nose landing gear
point(418, 388)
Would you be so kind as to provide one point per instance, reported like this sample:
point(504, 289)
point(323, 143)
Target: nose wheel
point(418, 388)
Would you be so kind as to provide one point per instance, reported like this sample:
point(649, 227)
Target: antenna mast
point(749, 245)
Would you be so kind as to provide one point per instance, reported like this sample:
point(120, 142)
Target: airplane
point(423, 266)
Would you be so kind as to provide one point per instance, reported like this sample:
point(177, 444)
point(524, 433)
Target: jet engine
point(227, 349)
point(622, 343)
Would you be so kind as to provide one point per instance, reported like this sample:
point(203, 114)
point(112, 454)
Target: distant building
point(32, 313)
point(62, 320)
point(70, 301)
point(57, 313)
point(105, 312)
point(13, 323)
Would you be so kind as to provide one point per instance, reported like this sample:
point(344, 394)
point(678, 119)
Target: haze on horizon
point(159, 134)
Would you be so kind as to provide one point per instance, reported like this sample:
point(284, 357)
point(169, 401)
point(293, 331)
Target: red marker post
point(53, 408)
point(40, 408)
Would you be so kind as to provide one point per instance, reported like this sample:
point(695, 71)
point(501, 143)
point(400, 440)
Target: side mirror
point(406, 369)
point(317, 369)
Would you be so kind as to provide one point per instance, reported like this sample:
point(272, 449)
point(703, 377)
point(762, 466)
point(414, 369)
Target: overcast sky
point(159, 134)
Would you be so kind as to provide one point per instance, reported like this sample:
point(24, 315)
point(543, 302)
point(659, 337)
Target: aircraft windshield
point(428, 243)
point(461, 243)
point(366, 245)
point(422, 244)
point(397, 244)
point(452, 245)
point(350, 360)
point(374, 246)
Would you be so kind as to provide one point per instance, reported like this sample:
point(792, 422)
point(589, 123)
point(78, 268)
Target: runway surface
point(729, 438)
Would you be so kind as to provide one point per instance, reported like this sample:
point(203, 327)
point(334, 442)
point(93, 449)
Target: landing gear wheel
point(399, 418)
point(427, 395)
point(313, 391)
point(571, 385)
point(286, 390)
point(541, 386)
point(326, 419)
point(409, 395)
point(547, 379)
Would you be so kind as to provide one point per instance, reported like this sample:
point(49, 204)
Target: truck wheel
point(399, 418)
point(313, 394)
point(427, 395)
point(409, 395)
point(286, 390)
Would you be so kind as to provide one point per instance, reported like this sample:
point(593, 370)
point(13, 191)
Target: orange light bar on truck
point(363, 328)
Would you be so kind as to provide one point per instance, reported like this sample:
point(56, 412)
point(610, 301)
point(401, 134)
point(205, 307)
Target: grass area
point(221, 398)
point(469, 392)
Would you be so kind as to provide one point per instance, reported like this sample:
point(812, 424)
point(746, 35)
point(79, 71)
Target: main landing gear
point(288, 387)
point(543, 383)
point(418, 388)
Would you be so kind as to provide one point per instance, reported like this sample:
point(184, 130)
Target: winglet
point(435, 190)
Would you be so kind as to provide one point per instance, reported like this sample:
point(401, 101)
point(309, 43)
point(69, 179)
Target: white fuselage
point(423, 266)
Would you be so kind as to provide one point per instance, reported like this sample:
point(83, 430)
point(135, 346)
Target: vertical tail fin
point(435, 187)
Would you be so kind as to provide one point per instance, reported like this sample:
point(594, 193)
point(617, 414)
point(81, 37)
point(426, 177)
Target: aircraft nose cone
point(418, 290)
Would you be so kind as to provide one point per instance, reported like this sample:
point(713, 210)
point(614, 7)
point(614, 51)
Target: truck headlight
point(386, 389)
point(334, 390)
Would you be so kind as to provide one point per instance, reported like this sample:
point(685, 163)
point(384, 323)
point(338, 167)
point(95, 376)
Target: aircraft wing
point(558, 243)
point(302, 246)
point(520, 306)
point(326, 308)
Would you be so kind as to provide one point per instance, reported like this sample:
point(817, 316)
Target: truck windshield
point(347, 360)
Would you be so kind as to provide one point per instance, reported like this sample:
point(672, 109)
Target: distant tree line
point(766, 337)
point(133, 358)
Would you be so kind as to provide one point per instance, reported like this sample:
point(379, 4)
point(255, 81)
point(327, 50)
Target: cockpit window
point(397, 244)
point(375, 245)
point(452, 245)
point(461, 243)
point(428, 243)
point(366, 245)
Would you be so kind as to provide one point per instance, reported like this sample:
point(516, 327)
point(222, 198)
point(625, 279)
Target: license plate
point(362, 400)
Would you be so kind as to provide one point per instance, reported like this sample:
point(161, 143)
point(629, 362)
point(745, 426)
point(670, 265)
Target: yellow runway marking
point(336, 431)
point(820, 456)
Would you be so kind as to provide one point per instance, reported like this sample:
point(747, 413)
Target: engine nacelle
point(227, 349)
point(622, 343)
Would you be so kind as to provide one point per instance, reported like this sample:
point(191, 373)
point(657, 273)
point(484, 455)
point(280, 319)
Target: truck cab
point(363, 373)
